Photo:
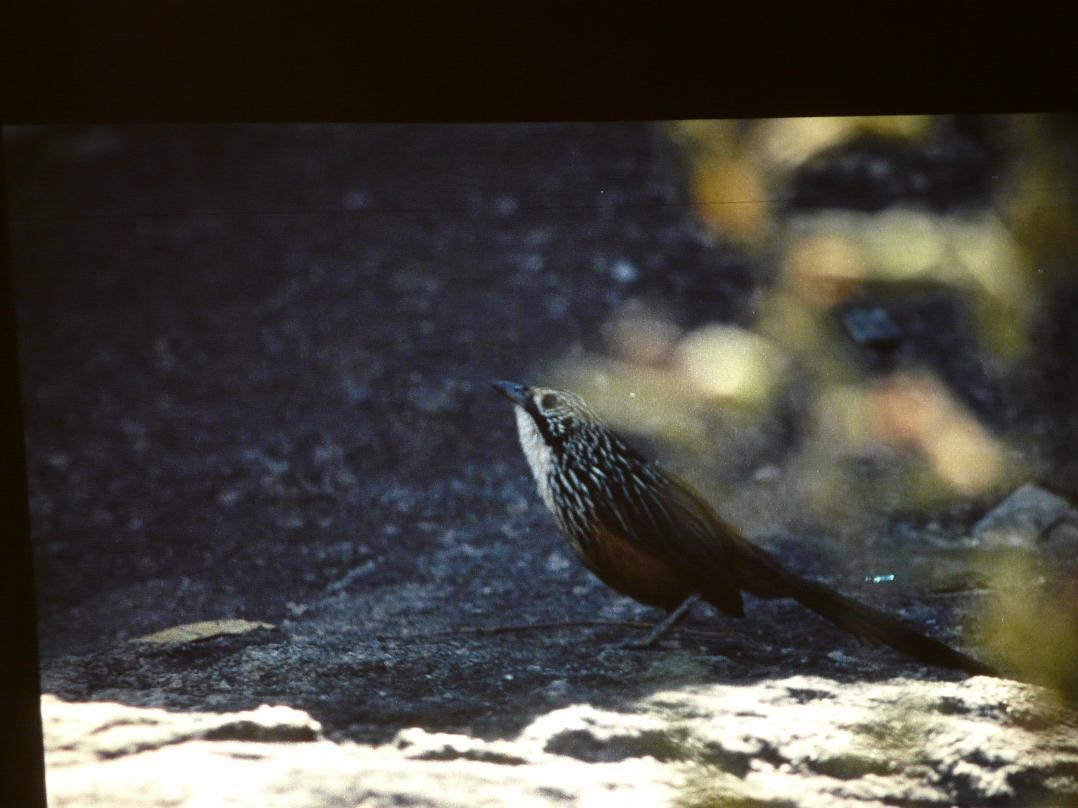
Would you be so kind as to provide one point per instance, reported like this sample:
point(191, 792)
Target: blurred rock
point(1022, 518)
point(767, 474)
point(871, 326)
point(731, 198)
point(917, 411)
point(950, 168)
point(824, 270)
point(1063, 532)
point(785, 143)
point(729, 362)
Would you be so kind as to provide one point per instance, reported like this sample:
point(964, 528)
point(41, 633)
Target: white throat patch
point(540, 456)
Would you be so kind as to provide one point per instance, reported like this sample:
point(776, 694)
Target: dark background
point(228, 372)
point(254, 364)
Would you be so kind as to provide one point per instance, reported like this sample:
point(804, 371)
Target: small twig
point(514, 627)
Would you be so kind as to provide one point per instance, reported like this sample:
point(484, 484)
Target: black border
point(197, 61)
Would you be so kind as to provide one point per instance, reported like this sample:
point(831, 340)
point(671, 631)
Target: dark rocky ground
point(254, 366)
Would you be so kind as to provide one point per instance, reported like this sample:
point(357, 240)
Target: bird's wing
point(664, 516)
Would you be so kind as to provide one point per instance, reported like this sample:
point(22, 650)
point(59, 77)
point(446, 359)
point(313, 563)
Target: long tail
point(762, 575)
point(874, 625)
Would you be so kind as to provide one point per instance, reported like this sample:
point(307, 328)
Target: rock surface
point(802, 739)
point(1026, 516)
point(254, 364)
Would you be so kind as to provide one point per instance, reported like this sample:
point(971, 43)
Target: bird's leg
point(664, 625)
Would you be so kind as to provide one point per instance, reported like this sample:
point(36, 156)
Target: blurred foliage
point(1031, 620)
point(834, 213)
point(878, 218)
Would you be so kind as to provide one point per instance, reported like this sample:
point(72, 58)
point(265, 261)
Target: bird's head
point(557, 415)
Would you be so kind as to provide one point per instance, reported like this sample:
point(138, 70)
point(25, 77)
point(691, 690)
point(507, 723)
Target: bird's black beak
point(517, 393)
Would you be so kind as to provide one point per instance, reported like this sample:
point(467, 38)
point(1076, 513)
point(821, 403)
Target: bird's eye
point(548, 401)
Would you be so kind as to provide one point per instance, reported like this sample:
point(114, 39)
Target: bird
point(649, 535)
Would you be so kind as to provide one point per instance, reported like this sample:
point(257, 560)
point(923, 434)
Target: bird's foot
point(650, 639)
